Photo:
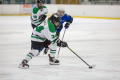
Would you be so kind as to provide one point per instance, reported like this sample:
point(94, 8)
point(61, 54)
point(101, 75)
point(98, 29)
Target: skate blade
point(21, 67)
point(52, 63)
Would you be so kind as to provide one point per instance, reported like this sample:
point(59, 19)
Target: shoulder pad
point(65, 14)
point(35, 10)
point(51, 27)
point(44, 7)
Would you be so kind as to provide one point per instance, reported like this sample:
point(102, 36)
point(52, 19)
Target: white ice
point(97, 41)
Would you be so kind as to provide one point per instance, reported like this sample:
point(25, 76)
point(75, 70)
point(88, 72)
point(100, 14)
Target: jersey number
point(53, 36)
point(35, 16)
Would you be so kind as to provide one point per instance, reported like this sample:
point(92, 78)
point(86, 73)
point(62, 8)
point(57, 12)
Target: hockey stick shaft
point(78, 56)
point(62, 40)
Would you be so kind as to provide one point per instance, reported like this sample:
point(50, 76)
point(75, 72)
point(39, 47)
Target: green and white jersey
point(41, 33)
point(36, 13)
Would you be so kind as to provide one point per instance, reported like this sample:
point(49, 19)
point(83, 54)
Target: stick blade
point(93, 66)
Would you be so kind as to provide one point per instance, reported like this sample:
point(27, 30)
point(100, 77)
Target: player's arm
point(45, 9)
point(35, 15)
point(69, 21)
point(44, 15)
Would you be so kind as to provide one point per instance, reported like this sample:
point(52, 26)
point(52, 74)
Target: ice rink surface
point(97, 41)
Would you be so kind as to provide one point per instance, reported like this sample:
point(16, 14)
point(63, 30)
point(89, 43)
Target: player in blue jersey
point(64, 18)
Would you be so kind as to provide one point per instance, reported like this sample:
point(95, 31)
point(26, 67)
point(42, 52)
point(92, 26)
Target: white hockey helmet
point(60, 9)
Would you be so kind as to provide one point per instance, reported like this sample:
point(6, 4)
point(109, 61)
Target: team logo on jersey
point(56, 16)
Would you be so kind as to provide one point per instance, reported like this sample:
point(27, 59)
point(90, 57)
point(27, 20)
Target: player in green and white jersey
point(38, 37)
point(39, 14)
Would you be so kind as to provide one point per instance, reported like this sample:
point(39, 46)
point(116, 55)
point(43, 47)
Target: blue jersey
point(65, 18)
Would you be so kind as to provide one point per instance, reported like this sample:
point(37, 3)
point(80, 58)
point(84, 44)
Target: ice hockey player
point(39, 14)
point(39, 35)
point(64, 18)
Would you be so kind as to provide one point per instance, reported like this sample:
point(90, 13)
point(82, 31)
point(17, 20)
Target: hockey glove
point(67, 25)
point(62, 44)
point(43, 17)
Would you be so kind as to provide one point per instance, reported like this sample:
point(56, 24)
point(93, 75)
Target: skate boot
point(46, 50)
point(53, 61)
point(24, 65)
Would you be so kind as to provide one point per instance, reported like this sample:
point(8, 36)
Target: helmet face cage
point(60, 14)
point(60, 10)
point(39, 1)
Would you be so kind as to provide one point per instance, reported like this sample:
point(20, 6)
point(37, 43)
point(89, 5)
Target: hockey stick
point(62, 40)
point(90, 67)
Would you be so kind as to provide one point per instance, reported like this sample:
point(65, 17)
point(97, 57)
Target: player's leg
point(35, 48)
point(58, 34)
point(46, 44)
point(40, 50)
point(59, 30)
point(52, 60)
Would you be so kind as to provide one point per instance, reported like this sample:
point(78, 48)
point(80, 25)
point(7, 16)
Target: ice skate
point(24, 65)
point(53, 61)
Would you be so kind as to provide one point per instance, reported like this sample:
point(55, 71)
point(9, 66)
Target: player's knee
point(53, 46)
point(34, 52)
